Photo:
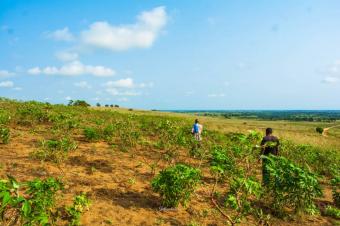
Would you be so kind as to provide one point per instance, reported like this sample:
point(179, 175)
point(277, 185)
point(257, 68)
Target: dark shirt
point(272, 148)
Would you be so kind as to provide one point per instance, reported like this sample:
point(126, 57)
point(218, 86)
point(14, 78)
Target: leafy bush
point(55, 150)
point(241, 193)
point(4, 135)
point(81, 103)
point(176, 184)
point(291, 185)
point(332, 212)
point(31, 203)
point(92, 134)
point(109, 132)
point(80, 204)
point(4, 117)
point(335, 182)
point(319, 130)
point(221, 163)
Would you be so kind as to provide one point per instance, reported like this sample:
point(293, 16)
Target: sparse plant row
point(34, 202)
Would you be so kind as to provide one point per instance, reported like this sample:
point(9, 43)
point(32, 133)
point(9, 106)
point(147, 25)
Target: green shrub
point(335, 182)
point(91, 134)
point(55, 150)
point(108, 132)
point(222, 164)
point(176, 184)
point(4, 135)
point(332, 212)
point(292, 186)
point(80, 204)
point(319, 130)
point(81, 103)
point(30, 203)
point(243, 191)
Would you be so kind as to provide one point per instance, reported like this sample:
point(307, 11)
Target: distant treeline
point(310, 116)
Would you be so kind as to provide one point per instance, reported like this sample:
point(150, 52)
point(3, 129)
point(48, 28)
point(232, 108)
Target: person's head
point(196, 120)
point(269, 131)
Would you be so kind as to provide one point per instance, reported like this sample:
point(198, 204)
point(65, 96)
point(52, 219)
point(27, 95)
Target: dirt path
point(325, 130)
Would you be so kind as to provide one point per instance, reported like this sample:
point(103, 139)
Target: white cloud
point(67, 56)
point(68, 98)
point(74, 68)
point(6, 84)
point(17, 88)
point(123, 99)
point(127, 83)
point(83, 84)
point(34, 71)
point(117, 92)
point(61, 35)
point(330, 79)
point(142, 34)
point(5, 73)
point(333, 73)
point(122, 83)
point(216, 95)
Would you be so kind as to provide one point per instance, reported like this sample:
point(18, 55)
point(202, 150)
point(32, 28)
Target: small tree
point(176, 184)
point(319, 130)
point(81, 103)
point(98, 105)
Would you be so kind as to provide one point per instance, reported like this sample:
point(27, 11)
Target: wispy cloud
point(5, 73)
point(332, 73)
point(83, 85)
point(142, 34)
point(216, 95)
point(67, 56)
point(61, 35)
point(330, 79)
point(6, 84)
point(74, 68)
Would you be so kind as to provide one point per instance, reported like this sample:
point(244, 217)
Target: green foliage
point(80, 204)
point(4, 135)
point(55, 150)
point(4, 117)
point(109, 132)
point(291, 185)
point(80, 103)
point(91, 134)
point(176, 184)
point(332, 212)
point(335, 182)
point(240, 196)
point(35, 207)
point(319, 130)
point(221, 163)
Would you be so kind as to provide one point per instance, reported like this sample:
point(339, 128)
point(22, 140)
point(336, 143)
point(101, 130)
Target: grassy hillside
point(108, 160)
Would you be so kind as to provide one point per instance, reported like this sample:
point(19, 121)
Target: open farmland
point(103, 165)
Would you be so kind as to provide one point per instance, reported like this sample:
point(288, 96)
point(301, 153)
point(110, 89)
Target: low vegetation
point(221, 173)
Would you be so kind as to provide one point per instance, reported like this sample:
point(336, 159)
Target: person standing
point(197, 130)
point(269, 146)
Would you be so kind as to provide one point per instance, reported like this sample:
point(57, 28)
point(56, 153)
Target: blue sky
point(173, 54)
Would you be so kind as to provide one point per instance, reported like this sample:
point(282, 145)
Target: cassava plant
point(176, 184)
point(81, 203)
point(292, 186)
